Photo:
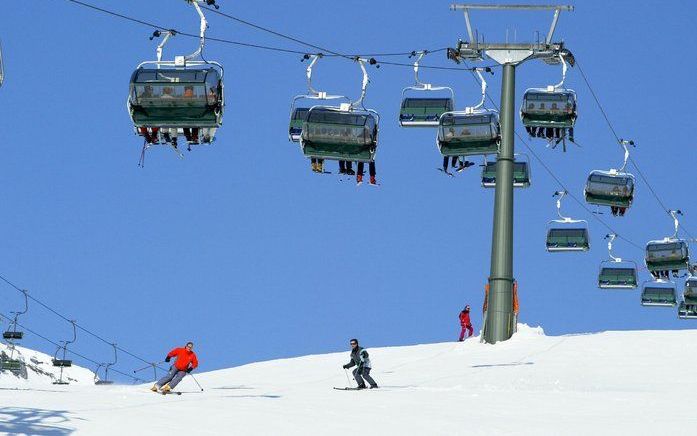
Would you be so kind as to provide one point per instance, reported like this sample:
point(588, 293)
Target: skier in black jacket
point(360, 359)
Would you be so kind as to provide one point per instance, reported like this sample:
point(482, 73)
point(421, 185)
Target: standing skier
point(360, 359)
point(185, 362)
point(465, 323)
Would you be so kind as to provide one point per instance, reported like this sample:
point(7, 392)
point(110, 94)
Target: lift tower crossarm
point(473, 48)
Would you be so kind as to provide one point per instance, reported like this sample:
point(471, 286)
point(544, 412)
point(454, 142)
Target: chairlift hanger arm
point(203, 26)
point(676, 222)
point(364, 84)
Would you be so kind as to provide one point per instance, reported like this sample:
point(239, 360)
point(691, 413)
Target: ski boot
point(154, 388)
point(359, 179)
point(373, 181)
point(166, 389)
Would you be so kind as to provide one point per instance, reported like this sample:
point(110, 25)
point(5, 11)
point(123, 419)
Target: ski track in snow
point(639, 382)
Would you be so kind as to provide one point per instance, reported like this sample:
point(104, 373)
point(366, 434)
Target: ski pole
point(199, 384)
point(347, 377)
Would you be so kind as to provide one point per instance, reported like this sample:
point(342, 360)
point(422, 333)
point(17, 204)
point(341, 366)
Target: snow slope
point(640, 382)
point(38, 370)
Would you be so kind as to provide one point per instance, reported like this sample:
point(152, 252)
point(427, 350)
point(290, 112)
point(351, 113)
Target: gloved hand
point(167, 359)
point(346, 366)
point(188, 371)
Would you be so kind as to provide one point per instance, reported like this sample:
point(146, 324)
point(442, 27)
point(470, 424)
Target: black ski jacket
point(359, 356)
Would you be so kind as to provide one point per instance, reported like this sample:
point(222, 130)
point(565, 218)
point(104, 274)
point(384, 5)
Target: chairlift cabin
point(176, 99)
point(553, 108)
point(521, 174)
point(180, 97)
point(566, 234)
point(340, 133)
point(688, 306)
point(423, 103)
point(609, 188)
point(667, 255)
point(12, 335)
point(616, 273)
point(465, 133)
point(658, 293)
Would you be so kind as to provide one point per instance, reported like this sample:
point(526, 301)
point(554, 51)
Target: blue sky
point(242, 249)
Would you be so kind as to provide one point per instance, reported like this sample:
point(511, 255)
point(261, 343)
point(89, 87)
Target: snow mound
point(632, 382)
point(38, 370)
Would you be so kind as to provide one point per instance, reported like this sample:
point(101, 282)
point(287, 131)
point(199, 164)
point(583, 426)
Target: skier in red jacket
point(465, 323)
point(185, 362)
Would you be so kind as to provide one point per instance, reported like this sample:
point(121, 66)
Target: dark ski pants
point(371, 168)
point(363, 373)
point(173, 377)
point(466, 328)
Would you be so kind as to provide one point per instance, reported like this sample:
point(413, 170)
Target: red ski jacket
point(465, 318)
point(185, 359)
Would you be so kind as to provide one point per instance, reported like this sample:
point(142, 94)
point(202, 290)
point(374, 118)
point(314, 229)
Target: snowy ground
point(609, 383)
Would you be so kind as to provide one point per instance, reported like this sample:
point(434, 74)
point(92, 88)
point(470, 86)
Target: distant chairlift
point(2, 67)
point(521, 172)
point(551, 112)
point(168, 99)
point(64, 362)
point(298, 112)
point(421, 104)
point(348, 132)
point(688, 306)
point(474, 131)
point(105, 381)
point(669, 254)
point(13, 333)
point(566, 234)
point(614, 188)
point(616, 273)
point(658, 293)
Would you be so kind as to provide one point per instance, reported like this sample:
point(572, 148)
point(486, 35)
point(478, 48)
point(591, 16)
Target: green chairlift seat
point(617, 277)
point(12, 335)
point(466, 133)
point(423, 112)
point(607, 188)
point(658, 293)
point(62, 363)
point(543, 108)
point(568, 239)
point(13, 365)
point(521, 175)
point(667, 255)
point(331, 133)
point(172, 97)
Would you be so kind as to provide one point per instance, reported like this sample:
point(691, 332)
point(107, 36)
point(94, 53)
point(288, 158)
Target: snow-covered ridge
point(632, 382)
point(38, 370)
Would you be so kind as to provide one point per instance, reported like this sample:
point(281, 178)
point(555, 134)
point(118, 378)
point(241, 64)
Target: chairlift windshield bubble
point(566, 234)
point(423, 103)
point(183, 97)
point(669, 254)
point(614, 188)
point(688, 305)
point(616, 273)
point(550, 112)
point(474, 131)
